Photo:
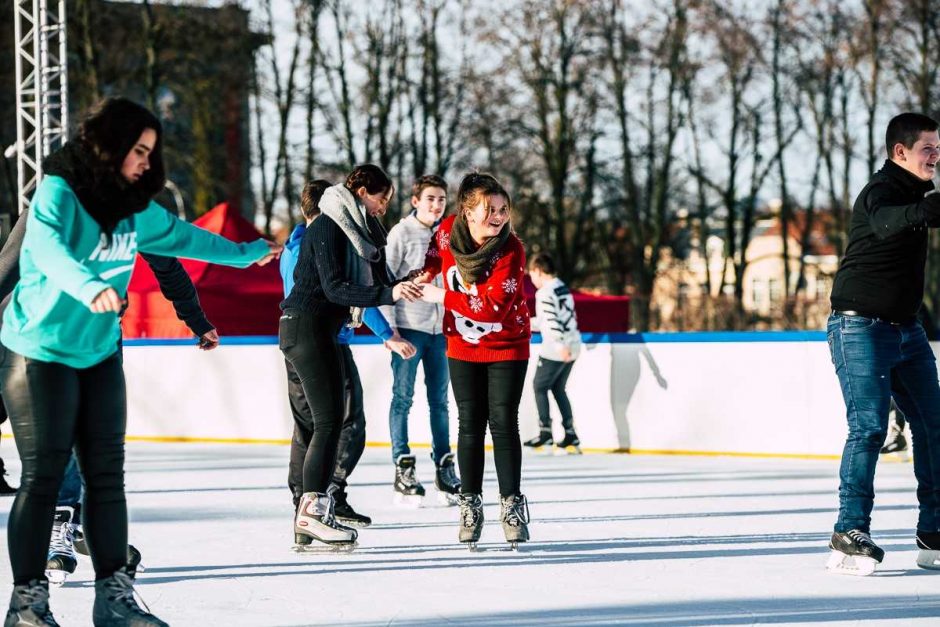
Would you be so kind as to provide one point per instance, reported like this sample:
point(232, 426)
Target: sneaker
point(544, 438)
point(407, 486)
point(115, 604)
point(446, 480)
point(29, 606)
point(344, 512)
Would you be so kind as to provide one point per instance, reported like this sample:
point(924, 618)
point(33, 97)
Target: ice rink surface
point(616, 540)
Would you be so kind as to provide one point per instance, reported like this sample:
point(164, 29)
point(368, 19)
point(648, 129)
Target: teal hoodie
point(66, 261)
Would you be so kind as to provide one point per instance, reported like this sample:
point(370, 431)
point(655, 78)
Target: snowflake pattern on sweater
point(485, 321)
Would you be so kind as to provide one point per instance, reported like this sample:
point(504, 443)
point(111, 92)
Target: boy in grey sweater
point(421, 324)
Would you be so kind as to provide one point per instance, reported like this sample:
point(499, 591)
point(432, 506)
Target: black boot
point(344, 513)
point(29, 606)
point(544, 438)
point(115, 605)
point(5, 488)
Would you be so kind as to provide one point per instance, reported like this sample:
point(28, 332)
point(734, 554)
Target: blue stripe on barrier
point(696, 337)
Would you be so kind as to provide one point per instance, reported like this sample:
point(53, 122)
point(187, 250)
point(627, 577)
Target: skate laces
point(119, 588)
point(408, 476)
point(471, 507)
point(35, 596)
point(860, 537)
point(62, 539)
point(516, 510)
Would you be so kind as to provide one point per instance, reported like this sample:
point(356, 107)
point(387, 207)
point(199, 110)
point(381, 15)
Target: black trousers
point(309, 345)
point(488, 394)
point(552, 376)
point(52, 408)
point(352, 438)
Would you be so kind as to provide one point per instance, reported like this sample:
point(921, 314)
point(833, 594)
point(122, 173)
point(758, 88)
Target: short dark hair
point(426, 181)
point(310, 197)
point(543, 262)
point(111, 129)
point(370, 176)
point(905, 129)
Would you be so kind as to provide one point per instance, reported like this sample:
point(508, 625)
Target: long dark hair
point(111, 129)
point(91, 163)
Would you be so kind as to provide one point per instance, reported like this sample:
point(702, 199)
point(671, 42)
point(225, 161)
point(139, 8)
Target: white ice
point(616, 539)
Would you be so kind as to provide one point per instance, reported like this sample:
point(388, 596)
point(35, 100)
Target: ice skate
point(345, 513)
point(542, 443)
point(853, 553)
point(447, 482)
point(570, 445)
point(929, 555)
point(115, 604)
point(896, 444)
point(514, 514)
point(29, 606)
point(133, 562)
point(471, 519)
point(5, 488)
point(315, 519)
point(61, 561)
point(408, 490)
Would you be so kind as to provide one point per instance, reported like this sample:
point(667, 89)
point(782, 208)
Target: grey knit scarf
point(473, 261)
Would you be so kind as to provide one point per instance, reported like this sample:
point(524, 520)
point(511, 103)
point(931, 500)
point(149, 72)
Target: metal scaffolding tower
point(42, 109)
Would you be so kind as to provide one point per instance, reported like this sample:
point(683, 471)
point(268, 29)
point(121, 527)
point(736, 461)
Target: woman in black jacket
point(340, 271)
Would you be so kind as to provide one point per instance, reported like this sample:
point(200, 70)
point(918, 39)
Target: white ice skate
point(315, 520)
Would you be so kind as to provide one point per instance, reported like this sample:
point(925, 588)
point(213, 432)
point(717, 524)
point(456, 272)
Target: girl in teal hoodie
point(60, 370)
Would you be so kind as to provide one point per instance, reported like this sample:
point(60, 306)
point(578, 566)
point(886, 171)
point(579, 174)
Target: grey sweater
point(407, 246)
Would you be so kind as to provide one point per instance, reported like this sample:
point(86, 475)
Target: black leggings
point(52, 408)
point(488, 393)
point(309, 344)
point(352, 439)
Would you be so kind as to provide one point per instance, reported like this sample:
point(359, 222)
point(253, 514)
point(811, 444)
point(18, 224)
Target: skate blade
point(447, 499)
point(408, 500)
point(897, 456)
point(568, 450)
point(56, 577)
point(841, 564)
point(321, 547)
point(928, 559)
point(347, 522)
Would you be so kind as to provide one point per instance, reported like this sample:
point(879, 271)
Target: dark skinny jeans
point(53, 408)
point(309, 344)
point(488, 394)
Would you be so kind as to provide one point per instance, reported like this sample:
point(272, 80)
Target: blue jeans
point(877, 360)
point(432, 350)
point(70, 492)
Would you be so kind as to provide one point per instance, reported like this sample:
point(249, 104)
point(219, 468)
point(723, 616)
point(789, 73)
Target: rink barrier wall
point(754, 394)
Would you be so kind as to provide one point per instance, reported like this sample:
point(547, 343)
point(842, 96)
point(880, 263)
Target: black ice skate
point(315, 519)
point(853, 553)
point(345, 513)
point(446, 481)
point(61, 561)
point(514, 514)
point(471, 519)
point(5, 488)
point(896, 443)
point(929, 544)
point(133, 562)
point(540, 442)
point(29, 606)
point(408, 490)
point(115, 604)
point(571, 445)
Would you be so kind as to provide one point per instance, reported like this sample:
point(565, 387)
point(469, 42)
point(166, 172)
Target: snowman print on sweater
point(470, 330)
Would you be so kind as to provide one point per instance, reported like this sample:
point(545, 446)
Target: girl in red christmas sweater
point(487, 327)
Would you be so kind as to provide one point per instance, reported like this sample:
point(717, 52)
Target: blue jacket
point(372, 317)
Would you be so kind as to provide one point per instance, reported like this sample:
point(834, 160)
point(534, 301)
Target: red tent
point(596, 314)
point(237, 302)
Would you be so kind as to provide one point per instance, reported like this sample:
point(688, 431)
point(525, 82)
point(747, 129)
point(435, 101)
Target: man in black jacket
point(879, 349)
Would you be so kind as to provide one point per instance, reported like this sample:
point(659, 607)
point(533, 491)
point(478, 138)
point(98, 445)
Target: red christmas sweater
point(489, 320)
